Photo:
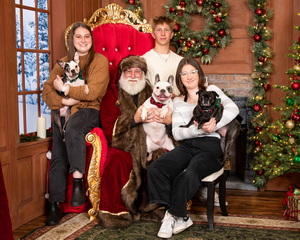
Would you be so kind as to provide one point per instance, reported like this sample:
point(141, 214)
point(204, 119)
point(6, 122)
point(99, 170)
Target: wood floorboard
point(267, 203)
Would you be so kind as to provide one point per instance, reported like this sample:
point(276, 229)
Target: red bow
point(158, 104)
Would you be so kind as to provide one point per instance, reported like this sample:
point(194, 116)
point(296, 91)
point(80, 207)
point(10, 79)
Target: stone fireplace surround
point(238, 88)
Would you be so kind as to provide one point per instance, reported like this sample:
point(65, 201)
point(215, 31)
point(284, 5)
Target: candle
point(41, 127)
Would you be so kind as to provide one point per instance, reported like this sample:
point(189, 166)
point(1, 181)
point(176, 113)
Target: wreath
point(204, 44)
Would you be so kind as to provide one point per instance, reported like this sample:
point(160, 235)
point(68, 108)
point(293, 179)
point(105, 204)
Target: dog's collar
point(158, 104)
point(80, 76)
point(218, 104)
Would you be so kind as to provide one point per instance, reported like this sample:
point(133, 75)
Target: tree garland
point(204, 44)
point(260, 120)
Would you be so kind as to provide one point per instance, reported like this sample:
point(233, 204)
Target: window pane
point(30, 71)
point(21, 121)
point(29, 3)
point(17, 2)
point(44, 68)
point(43, 30)
point(18, 28)
point(31, 112)
point(42, 4)
point(19, 71)
point(46, 112)
point(29, 29)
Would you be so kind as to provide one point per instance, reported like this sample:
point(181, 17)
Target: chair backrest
point(117, 33)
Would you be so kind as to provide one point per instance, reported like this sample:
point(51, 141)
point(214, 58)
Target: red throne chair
point(117, 33)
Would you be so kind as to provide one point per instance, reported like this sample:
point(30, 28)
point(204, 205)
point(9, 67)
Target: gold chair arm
point(94, 178)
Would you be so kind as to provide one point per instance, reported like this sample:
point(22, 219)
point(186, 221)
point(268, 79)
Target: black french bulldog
point(209, 105)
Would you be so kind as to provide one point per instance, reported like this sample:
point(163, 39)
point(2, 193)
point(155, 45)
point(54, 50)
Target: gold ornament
point(291, 140)
point(290, 124)
point(297, 67)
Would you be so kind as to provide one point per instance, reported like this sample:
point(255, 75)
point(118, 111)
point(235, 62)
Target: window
point(32, 43)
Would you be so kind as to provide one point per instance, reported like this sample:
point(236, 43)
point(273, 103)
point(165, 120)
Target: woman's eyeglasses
point(185, 74)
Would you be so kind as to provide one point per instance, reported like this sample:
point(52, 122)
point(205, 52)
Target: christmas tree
point(282, 152)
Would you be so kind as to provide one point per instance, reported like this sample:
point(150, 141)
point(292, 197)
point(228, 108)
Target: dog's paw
point(144, 114)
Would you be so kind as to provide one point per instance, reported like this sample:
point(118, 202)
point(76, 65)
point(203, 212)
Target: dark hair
point(196, 65)
point(72, 49)
point(161, 20)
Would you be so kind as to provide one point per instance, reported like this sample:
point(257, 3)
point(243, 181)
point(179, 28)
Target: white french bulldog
point(157, 136)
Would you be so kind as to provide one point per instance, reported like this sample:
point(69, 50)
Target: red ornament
point(258, 129)
point(222, 33)
point(182, 4)
point(200, 3)
point(172, 10)
point(205, 51)
point(260, 172)
point(257, 38)
point(180, 13)
point(211, 39)
point(261, 59)
point(188, 44)
point(177, 27)
point(257, 107)
point(257, 143)
point(267, 86)
point(295, 85)
point(299, 39)
point(294, 77)
point(218, 19)
point(132, 2)
point(259, 11)
point(295, 117)
point(217, 5)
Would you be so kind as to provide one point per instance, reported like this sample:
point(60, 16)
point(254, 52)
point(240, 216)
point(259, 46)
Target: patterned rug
point(78, 226)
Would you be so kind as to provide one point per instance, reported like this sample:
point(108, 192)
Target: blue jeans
point(70, 155)
point(175, 177)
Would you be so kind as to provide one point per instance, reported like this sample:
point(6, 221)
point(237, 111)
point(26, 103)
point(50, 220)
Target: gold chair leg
point(93, 177)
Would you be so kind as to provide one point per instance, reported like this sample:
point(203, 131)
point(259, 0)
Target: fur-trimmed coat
point(131, 137)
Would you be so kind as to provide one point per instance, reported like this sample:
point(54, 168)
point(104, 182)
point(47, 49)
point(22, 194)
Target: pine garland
point(31, 137)
point(260, 119)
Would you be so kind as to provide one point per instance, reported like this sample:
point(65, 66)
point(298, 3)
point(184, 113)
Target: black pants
point(70, 155)
point(175, 177)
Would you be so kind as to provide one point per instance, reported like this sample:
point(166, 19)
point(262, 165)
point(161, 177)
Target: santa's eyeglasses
point(135, 72)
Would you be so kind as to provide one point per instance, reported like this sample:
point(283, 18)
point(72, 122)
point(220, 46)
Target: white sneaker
point(203, 197)
point(181, 225)
point(166, 228)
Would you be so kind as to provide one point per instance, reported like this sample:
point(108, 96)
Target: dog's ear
point(200, 92)
point(216, 94)
point(61, 63)
point(76, 57)
point(171, 79)
point(157, 79)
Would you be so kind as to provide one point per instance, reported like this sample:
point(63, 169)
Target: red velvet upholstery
point(115, 41)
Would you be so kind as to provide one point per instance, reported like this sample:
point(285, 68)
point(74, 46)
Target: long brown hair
point(196, 65)
point(72, 49)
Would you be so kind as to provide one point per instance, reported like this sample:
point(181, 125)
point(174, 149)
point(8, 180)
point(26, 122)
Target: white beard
point(132, 86)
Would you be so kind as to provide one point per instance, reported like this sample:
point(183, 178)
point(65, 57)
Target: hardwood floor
point(239, 202)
